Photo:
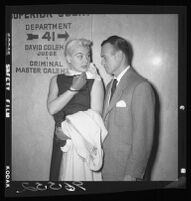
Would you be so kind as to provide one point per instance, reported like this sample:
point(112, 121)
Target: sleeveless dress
point(79, 102)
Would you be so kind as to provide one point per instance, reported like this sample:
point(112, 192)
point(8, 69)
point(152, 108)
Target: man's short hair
point(75, 43)
point(120, 43)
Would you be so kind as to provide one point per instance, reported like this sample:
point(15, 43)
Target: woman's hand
point(60, 135)
point(79, 81)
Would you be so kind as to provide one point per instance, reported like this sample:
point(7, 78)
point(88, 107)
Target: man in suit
point(128, 114)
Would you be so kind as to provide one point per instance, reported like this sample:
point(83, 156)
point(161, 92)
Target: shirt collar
point(121, 74)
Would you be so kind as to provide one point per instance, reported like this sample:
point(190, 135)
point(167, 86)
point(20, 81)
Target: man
point(128, 114)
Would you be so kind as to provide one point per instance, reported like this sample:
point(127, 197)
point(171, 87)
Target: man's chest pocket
point(121, 115)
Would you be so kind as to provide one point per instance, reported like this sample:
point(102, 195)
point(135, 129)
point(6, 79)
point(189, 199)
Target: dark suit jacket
point(130, 127)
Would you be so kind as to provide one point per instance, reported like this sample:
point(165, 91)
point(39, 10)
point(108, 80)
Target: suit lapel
point(116, 96)
point(118, 92)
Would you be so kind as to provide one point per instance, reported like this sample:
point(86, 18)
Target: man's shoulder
point(134, 79)
point(138, 78)
point(142, 83)
point(136, 75)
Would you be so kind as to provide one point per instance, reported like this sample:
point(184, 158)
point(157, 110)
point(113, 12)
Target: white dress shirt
point(121, 74)
point(118, 79)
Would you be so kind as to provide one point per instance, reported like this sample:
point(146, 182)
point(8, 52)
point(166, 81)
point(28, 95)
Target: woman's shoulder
point(64, 75)
point(53, 78)
point(57, 77)
point(64, 79)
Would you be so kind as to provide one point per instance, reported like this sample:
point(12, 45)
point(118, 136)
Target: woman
point(72, 92)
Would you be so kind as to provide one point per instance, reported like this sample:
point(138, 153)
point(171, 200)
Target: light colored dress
point(83, 154)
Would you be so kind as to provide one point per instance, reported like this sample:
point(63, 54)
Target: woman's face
point(79, 59)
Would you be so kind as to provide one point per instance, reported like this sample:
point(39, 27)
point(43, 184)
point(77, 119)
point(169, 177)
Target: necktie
point(113, 88)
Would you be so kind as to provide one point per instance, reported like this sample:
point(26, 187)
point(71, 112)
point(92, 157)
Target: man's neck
point(121, 68)
point(120, 75)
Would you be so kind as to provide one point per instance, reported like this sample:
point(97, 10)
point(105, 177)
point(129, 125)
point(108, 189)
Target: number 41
point(49, 36)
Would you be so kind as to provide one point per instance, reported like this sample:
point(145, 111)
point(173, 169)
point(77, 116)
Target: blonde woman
point(77, 90)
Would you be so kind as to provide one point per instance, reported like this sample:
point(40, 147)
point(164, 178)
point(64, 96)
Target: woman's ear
point(68, 59)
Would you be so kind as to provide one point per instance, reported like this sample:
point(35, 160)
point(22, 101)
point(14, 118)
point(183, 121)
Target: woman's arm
point(54, 102)
point(97, 95)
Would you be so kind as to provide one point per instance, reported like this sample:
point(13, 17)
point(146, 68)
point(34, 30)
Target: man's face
point(109, 60)
point(79, 59)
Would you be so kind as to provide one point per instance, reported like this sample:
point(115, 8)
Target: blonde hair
point(74, 43)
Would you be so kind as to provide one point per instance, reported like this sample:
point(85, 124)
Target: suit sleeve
point(143, 106)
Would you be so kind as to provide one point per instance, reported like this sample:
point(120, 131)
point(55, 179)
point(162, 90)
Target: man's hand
point(79, 81)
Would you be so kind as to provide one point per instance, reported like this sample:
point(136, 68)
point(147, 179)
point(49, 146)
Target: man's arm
point(143, 106)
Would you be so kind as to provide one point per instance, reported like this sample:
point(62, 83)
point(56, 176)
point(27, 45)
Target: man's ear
point(119, 55)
